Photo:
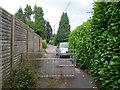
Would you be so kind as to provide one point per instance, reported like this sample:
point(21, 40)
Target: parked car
point(62, 49)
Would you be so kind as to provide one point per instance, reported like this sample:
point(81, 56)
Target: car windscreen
point(63, 45)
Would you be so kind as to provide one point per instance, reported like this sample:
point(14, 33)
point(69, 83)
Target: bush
point(44, 44)
point(23, 77)
point(97, 43)
point(52, 41)
point(78, 41)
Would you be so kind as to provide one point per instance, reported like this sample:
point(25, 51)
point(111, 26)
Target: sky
point(78, 10)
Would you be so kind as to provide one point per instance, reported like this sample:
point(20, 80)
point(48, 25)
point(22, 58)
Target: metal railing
point(53, 66)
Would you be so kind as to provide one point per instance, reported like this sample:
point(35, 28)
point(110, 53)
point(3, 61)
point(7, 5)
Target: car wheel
point(60, 56)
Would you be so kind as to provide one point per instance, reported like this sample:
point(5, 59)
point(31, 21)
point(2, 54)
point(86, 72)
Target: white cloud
point(53, 9)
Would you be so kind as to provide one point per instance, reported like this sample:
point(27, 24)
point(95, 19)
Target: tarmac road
point(81, 79)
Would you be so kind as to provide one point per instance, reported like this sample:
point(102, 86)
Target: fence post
point(0, 49)
point(39, 44)
point(12, 42)
point(33, 42)
point(27, 40)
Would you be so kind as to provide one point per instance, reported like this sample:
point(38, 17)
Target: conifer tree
point(64, 29)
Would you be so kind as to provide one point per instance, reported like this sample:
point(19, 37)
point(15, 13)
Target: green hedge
point(79, 40)
point(52, 41)
point(97, 43)
point(44, 44)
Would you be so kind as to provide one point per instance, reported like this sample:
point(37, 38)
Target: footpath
point(81, 80)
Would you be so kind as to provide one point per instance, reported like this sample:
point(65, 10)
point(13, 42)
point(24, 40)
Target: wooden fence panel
point(20, 36)
point(6, 43)
point(30, 41)
point(40, 42)
point(15, 39)
point(36, 43)
point(0, 48)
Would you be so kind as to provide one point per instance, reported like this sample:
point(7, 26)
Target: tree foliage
point(38, 24)
point(39, 21)
point(48, 32)
point(64, 29)
point(28, 12)
point(20, 15)
point(98, 44)
point(79, 39)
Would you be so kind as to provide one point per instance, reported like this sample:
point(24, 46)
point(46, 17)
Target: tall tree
point(38, 24)
point(48, 31)
point(20, 15)
point(64, 29)
point(39, 21)
point(28, 12)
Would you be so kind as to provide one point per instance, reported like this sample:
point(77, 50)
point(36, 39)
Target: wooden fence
point(15, 38)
